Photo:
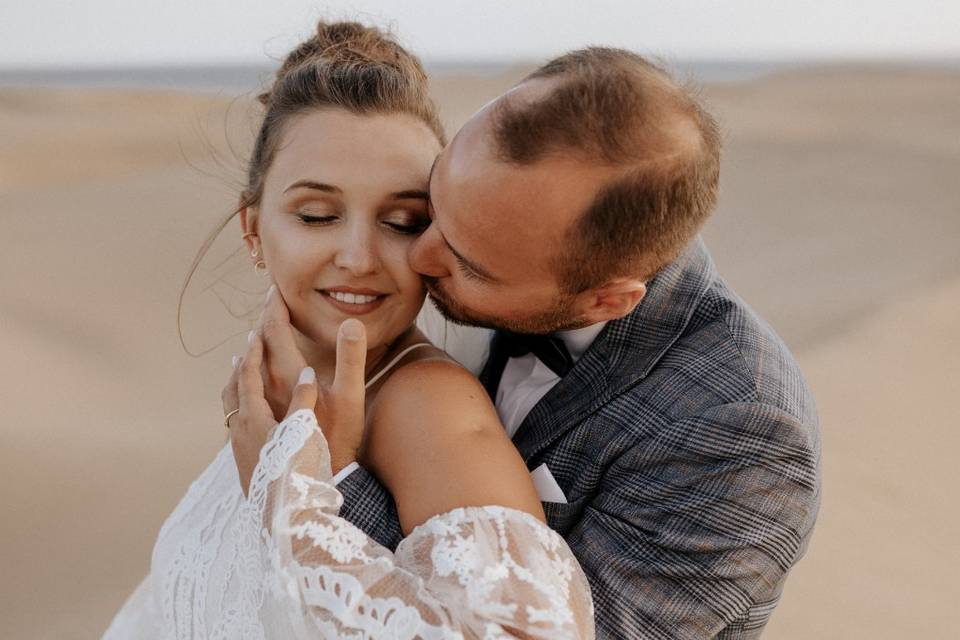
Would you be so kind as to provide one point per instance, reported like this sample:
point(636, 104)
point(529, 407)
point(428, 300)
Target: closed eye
point(408, 229)
point(315, 220)
point(468, 273)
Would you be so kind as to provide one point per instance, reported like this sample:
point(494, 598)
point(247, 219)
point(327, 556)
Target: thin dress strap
point(393, 362)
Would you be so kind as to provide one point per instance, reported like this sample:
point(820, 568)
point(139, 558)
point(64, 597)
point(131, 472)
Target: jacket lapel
point(624, 352)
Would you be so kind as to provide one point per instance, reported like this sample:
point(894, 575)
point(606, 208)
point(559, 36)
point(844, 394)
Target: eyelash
point(315, 220)
point(468, 273)
point(405, 229)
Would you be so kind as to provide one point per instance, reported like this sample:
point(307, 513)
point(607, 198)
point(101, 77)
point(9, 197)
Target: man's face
point(489, 256)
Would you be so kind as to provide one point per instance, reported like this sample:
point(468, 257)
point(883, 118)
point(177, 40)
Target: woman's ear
point(612, 300)
point(249, 227)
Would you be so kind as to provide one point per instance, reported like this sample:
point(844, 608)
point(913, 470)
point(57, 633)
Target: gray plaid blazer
point(686, 442)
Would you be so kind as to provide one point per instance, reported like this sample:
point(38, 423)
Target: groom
point(672, 434)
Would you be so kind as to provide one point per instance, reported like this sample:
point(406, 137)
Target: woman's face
point(343, 200)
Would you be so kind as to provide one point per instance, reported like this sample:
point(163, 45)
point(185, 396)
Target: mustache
point(445, 305)
point(433, 286)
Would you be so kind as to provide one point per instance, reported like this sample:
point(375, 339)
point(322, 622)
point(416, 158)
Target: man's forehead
point(489, 209)
point(474, 190)
point(553, 191)
point(495, 234)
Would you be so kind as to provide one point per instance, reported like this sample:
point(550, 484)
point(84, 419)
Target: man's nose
point(426, 254)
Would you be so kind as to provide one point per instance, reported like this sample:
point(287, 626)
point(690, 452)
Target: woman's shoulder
point(424, 371)
point(432, 383)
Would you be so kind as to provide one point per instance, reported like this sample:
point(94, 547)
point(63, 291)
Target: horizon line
point(501, 61)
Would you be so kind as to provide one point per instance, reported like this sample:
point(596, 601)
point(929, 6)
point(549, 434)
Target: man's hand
point(339, 407)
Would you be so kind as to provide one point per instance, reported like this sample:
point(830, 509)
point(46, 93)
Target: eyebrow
point(407, 194)
point(312, 184)
point(411, 194)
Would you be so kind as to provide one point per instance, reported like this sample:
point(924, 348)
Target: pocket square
point(547, 487)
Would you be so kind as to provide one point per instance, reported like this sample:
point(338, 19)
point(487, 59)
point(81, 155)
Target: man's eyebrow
point(313, 184)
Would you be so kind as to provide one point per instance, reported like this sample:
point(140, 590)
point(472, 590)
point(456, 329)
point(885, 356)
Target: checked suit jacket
point(686, 442)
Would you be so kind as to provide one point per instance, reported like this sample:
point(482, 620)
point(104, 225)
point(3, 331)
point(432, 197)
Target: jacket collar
point(624, 352)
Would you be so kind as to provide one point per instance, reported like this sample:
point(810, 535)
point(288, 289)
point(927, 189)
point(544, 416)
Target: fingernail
point(235, 360)
point(307, 376)
point(351, 329)
point(271, 290)
point(250, 337)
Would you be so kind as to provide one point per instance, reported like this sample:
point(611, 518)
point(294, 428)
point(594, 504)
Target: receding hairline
point(668, 144)
point(612, 107)
point(675, 135)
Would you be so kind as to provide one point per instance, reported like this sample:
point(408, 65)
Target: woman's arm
point(470, 572)
point(301, 571)
point(436, 443)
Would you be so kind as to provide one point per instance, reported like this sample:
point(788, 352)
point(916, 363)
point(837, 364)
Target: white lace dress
point(282, 564)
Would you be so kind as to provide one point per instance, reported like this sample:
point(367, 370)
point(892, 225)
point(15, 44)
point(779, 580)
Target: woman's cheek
point(407, 280)
point(298, 264)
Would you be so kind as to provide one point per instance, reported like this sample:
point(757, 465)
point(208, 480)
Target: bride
point(336, 193)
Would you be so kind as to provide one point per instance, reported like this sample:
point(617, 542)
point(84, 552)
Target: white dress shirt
point(524, 382)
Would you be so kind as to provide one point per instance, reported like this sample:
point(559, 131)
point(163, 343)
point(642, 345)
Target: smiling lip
point(352, 308)
point(354, 290)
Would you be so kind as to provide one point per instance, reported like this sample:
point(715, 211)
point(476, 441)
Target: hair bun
point(343, 43)
point(348, 44)
point(352, 42)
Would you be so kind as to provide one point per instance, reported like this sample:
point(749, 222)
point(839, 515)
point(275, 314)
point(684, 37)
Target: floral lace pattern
point(282, 564)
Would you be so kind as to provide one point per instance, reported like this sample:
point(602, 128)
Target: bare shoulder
point(437, 381)
point(436, 443)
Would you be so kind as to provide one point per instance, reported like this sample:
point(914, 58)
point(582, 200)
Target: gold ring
point(226, 420)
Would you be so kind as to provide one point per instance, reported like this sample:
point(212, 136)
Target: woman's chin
point(320, 326)
point(324, 338)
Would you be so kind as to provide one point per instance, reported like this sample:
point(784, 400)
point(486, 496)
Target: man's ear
point(613, 300)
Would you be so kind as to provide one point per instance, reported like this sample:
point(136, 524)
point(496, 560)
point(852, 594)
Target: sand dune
point(838, 221)
point(883, 558)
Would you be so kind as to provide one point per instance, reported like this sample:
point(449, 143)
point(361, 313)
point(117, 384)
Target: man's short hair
point(613, 107)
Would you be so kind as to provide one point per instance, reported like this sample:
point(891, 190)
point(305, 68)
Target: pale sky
point(186, 32)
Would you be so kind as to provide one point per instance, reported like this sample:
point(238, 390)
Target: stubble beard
point(542, 322)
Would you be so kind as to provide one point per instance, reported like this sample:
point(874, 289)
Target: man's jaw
point(548, 322)
point(447, 307)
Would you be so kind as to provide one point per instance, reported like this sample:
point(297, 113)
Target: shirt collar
point(579, 340)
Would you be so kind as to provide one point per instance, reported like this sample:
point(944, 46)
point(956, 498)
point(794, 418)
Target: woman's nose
point(358, 254)
point(426, 252)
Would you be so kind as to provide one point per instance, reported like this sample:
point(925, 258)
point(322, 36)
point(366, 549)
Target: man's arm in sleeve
point(369, 506)
point(695, 528)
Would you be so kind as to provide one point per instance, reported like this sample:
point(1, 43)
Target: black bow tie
point(549, 350)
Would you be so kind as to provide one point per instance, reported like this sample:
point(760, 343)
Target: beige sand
point(838, 222)
point(883, 561)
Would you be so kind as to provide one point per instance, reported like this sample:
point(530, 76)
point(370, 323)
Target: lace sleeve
point(474, 572)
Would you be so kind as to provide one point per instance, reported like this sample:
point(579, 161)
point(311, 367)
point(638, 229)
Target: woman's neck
point(323, 357)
